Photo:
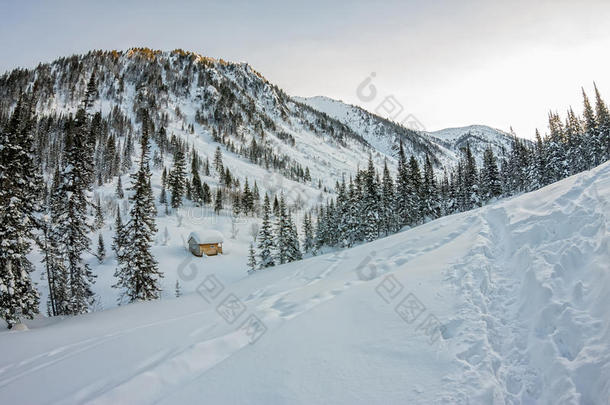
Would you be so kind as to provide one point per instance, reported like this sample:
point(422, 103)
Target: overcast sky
point(449, 63)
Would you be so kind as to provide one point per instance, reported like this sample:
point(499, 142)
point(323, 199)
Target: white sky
point(450, 63)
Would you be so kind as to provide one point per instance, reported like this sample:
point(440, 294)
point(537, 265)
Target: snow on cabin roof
point(206, 236)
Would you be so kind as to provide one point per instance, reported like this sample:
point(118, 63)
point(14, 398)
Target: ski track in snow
point(528, 327)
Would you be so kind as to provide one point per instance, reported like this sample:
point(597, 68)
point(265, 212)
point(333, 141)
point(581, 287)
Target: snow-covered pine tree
point(251, 259)
point(197, 189)
point(99, 215)
point(491, 185)
point(19, 199)
point(119, 189)
point(387, 216)
point(265, 237)
point(207, 194)
point(138, 274)
point(308, 240)
point(282, 232)
point(177, 289)
point(73, 226)
point(218, 201)
point(101, 249)
point(369, 217)
point(218, 162)
point(177, 179)
point(52, 252)
point(470, 184)
point(118, 239)
point(293, 248)
point(402, 189)
point(247, 201)
point(602, 118)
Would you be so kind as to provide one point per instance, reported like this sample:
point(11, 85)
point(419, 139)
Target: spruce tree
point(218, 201)
point(309, 240)
point(265, 237)
point(73, 227)
point(491, 185)
point(177, 179)
point(99, 216)
point(101, 249)
point(119, 189)
point(251, 259)
point(388, 218)
point(18, 203)
point(138, 274)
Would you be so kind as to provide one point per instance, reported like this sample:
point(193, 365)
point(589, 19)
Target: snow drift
point(509, 303)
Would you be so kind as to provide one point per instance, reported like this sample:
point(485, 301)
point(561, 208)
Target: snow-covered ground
point(509, 303)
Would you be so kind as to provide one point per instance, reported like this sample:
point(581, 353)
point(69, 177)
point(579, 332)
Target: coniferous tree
point(177, 179)
point(429, 196)
point(18, 203)
point(206, 194)
point(265, 237)
point(402, 189)
point(101, 249)
point(218, 201)
point(99, 216)
point(197, 189)
point(491, 185)
point(119, 189)
point(53, 254)
point(387, 214)
point(118, 239)
point(73, 226)
point(309, 239)
point(138, 274)
point(251, 259)
point(370, 204)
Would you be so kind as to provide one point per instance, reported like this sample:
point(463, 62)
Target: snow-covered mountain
point(202, 100)
point(445, 145)
point(508, 303)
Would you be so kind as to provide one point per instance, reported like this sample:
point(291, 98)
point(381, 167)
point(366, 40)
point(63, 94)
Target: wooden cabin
point(208, 242)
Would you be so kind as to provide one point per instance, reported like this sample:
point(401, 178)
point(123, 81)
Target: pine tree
point(402, 189)
point(99, 216)
point(177, 179)
point(207, 194)
point(52, 251)
point(370, 204)
point(282, 231)
point(138, 274)
point(388, 217)
point(293, 251)
point(491, 185)
point(251, 259)
point(91, 93)
point(119, 189)
point(197, 189)
point(118, 239)
point(163, 197)
point(218, 201)
point(18, 203)
point(73, 227)
point(429, 198)
point(101, 249)
point(309, 240)
point(265, 237)
point(601, 147)
point(218, 162)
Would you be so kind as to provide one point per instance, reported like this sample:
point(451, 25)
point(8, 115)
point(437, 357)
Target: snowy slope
point(384, 135)
point(520, 287)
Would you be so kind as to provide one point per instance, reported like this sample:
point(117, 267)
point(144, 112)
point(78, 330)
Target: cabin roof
point(206, 236)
